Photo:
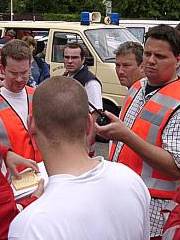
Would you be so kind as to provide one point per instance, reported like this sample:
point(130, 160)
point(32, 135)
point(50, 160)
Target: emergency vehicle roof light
point(85, 18)
point(115, 18)
point(95, 16)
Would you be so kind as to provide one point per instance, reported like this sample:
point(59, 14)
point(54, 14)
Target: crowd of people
point(43, 119)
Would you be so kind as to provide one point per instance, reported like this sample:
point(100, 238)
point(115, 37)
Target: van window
point(38, 35)
point(138, 32)
point(106, 41)
point(60, 39)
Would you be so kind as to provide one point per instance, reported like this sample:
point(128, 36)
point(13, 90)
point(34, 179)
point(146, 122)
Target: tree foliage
point(3, 6)
point(147, 9)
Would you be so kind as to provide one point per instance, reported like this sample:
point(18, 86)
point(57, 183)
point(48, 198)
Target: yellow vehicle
point(99, 41)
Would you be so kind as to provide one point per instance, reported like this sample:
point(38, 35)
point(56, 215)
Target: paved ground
point(102, 149)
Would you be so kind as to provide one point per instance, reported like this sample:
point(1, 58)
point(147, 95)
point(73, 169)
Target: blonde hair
point(30, 41)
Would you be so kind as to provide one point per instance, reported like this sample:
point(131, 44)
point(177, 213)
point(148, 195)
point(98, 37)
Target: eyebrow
point(69, 56)
point(18, 72)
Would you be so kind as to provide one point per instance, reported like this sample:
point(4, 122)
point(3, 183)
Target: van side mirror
point(89, 61)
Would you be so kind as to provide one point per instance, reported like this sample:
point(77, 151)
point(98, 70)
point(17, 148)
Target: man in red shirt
point(171, 229)
point(9, 208)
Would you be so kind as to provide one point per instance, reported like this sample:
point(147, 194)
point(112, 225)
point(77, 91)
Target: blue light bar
point(115, 18)
point(85, 18)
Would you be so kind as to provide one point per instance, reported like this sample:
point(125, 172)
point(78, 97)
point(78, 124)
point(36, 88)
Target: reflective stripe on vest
point(154, 183)
point(167, 101)
point(3, 105)
point(30, 97)
point(153, 118)
point(131, 95)
point(4, 135)
point(116, 146)
point(172, 233)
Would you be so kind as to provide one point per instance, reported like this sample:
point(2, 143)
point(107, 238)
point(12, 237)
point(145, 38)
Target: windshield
point(106, 41)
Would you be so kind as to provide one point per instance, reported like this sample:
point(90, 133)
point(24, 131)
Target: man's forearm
point(155, 156)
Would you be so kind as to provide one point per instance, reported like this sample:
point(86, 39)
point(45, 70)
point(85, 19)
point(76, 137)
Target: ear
point(178, 62)
point(90, 125)
point(141, 69)
point(178, 58)
point(90, 130)
point(2, 68)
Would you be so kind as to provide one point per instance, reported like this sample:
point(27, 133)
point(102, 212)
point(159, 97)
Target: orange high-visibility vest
point(14, 134)
point(171, 229)
point(149, 125)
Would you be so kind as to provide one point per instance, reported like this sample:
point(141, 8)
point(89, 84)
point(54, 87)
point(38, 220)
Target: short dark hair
point(166, 33)
point(16, 49)
point(74, 46)
point(60, 109)
point(11, 33)
point(131, 47)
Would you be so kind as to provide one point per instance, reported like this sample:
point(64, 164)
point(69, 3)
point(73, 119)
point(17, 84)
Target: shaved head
point(60, 109)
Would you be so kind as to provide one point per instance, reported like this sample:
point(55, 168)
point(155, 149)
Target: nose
point(69, 60)
point(119, 69)
point(19, 78)
point(151, 59)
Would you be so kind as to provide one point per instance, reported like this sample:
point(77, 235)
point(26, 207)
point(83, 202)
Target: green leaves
point(147, 9)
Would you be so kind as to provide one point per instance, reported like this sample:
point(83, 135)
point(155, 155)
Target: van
point(99, 41)
point(139, 27)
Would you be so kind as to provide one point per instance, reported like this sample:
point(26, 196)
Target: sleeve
point(171, 230)
point(43, 68)
point(8, 208)
point(46, 72)
point(26, 201)
point(171, 137)
point(93, 89)
point(36, 225)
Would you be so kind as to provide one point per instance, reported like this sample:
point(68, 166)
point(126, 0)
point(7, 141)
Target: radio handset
point(102, 119)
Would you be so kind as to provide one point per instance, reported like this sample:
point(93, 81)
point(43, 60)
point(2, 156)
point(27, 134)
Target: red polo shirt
point(8, 208)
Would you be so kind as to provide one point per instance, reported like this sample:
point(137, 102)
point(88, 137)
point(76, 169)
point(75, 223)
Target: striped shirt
point(170, 143)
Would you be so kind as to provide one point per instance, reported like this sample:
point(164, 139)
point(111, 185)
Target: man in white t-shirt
point(74, 62)
point(86, 198)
